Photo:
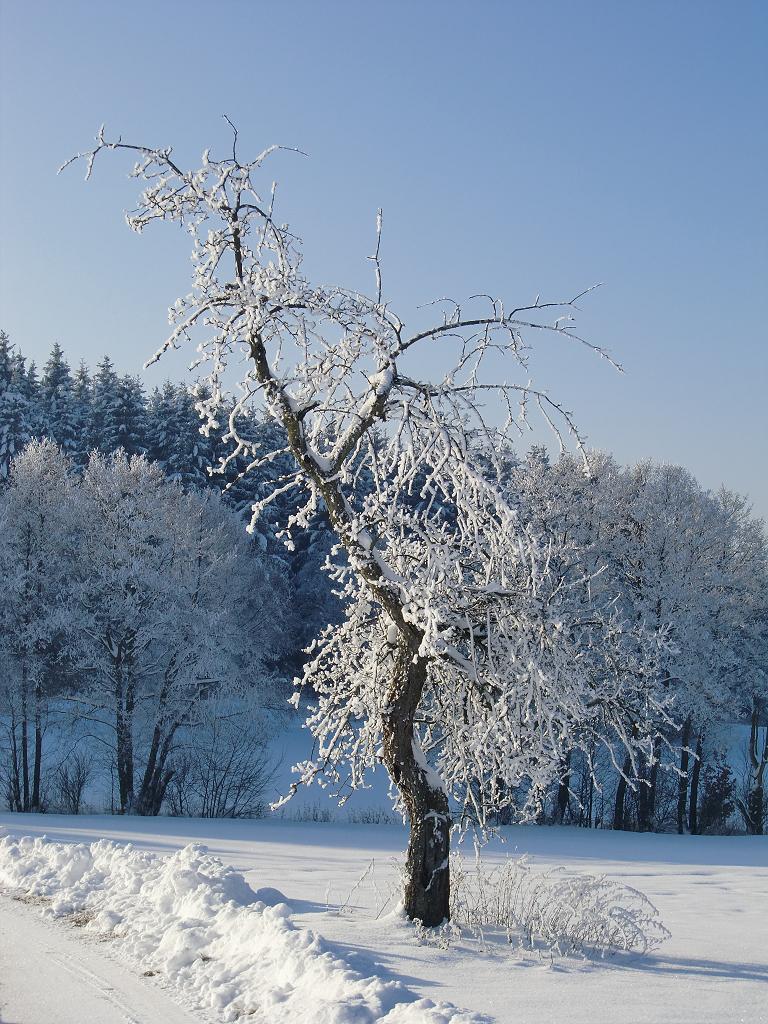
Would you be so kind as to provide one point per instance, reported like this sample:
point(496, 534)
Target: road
point(52, 974)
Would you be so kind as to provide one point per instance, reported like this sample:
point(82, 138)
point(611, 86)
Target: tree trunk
point(753, 811)
point(644, 797)
point(564, 790)
point(37, 767)
point(124, 751)
point(647, 801)
point(24, 736)
point(654, 780)
point(426, 895)
point(621, 796)
point(15, 779)
point(693, 812)
point(682, 782)
point(156, 778)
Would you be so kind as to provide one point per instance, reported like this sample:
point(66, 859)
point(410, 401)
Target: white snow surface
point(54, 975)
point(710, 891)
point(198, 924)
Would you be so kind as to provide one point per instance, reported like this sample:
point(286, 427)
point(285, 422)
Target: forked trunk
point(426, 895)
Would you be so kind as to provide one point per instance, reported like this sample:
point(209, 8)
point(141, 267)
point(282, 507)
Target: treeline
point(639, 551)
point(117, 677)
point(647, 544)
point(107, 412)
point(137, 624)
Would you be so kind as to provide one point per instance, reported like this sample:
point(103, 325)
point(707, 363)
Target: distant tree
point(38, 609)
point(171, 586)
point(58, 415)
point(175, 440)
point(105, 408)
point(717, 800)
point(82, 416)
point(28, 385)
point(15, 429)
point(162, 429)
point(131, 416)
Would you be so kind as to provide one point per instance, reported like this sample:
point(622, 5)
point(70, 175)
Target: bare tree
point(72, 779)
point(453, 667)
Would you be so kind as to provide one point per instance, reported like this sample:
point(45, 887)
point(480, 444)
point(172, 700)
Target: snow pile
point(198, 925)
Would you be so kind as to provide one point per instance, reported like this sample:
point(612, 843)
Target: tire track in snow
point(48, 974)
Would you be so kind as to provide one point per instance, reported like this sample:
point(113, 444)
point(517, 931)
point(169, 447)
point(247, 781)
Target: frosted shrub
point(564, 913)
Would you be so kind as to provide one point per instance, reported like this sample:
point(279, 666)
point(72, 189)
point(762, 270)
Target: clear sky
point(516, 148)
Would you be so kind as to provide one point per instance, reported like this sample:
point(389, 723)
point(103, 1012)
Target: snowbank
point(197, 923)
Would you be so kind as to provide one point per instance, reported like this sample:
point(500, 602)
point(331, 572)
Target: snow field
point(710, 892)
point(219, 944)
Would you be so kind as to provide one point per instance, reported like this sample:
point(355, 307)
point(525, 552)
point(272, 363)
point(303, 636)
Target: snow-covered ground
point(711, 892)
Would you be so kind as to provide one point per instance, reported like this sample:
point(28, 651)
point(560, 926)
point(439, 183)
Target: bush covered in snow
point(561, 912)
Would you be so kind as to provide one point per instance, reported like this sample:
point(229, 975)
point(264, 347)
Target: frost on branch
point(464, 636)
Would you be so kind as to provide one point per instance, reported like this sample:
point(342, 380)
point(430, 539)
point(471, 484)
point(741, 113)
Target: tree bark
point(15, 780)
point(426, 895)
point(124, 750)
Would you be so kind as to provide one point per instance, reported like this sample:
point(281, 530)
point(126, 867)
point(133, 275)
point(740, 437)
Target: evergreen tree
point(14, 406)
point(105, 409)
point(29, 387)
point(190, 459)
point(82, 416)
point(161, 425)
point(57, 402)
point(131, 416)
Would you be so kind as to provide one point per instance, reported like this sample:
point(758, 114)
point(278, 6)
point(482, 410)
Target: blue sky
point(516, 148)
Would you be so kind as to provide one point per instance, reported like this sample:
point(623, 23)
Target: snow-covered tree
point(82, 397)
point(105, 405)
point(57, 413)
point(455, 666)
point(680, 562)
point(38, 615)
point(170, 585)
point(15, 429)
point(174, 438)
point(131, 416)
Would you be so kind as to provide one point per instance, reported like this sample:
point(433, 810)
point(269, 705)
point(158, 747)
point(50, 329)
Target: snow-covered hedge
point(196, 924)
